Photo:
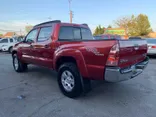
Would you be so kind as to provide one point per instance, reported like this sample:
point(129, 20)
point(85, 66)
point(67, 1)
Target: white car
point(151, 46)
point(6, 44)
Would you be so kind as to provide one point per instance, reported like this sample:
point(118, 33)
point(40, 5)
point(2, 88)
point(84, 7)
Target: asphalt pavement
point(35, 93)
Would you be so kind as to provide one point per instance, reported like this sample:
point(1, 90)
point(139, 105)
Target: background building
point(116, 31)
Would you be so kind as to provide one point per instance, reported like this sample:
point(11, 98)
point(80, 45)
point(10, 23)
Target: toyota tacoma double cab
point(71, 50)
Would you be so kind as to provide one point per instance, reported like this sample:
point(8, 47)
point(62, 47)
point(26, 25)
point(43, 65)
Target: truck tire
point(18, 65)
point(10, 50)
point(69, 80)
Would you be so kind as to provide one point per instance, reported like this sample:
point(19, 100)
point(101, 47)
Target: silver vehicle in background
point(151, 46)
point(6, 44)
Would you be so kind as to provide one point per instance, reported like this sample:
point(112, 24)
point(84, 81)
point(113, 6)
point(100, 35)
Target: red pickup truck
point(71, 50)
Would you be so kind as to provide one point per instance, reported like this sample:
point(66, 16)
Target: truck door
point(27, 46)
point(43, 49)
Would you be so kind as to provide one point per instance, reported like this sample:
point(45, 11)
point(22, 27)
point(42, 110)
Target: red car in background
point(107, 36)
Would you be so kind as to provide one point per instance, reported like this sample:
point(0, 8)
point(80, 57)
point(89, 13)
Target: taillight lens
point(113, 57)
point(153, 47)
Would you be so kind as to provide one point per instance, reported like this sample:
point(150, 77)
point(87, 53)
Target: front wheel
point(10, 49)
point(69, 80)
point(18, 65)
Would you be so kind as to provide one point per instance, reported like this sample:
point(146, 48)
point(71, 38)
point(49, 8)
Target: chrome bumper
point(116, 74)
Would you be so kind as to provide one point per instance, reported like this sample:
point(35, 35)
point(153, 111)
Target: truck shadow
point(42, 72)
point(118, 93)
point(152, 56)
point(101, 91)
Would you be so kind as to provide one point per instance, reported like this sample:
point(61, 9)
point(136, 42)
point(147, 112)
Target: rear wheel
point(69, 80)
point(18, 65)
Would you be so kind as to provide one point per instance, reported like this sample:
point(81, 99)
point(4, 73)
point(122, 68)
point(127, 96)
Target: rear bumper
point(116, 74)
point(151, 51)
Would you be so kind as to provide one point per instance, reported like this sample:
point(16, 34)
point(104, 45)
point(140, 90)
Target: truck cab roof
point(50, 23)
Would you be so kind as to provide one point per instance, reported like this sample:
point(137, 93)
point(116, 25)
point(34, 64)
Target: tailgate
point(132, 52)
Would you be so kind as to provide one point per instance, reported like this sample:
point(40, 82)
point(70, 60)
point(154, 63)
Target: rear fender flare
point(77, 55)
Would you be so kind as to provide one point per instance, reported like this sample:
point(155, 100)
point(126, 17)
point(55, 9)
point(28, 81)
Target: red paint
point(91, 56)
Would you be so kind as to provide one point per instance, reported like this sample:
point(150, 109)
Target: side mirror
point(23, 40)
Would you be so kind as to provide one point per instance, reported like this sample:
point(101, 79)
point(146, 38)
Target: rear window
point(75, 33)
point(66, 33)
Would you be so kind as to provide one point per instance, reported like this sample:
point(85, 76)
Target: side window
point(4, 41)
point(86, 34)
point(77, 33)
point(45, 33)
point(66, 33)
point(11, 40)
point(31, 36)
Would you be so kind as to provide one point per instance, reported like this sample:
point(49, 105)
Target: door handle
point(46, 46)
point(31, 46)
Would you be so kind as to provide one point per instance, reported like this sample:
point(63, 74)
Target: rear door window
point(45, 33)
point(11, 40)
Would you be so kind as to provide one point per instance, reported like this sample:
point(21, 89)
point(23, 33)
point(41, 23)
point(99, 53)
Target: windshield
point(151, 41)
point(4, 41)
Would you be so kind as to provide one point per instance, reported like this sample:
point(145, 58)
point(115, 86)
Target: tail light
point(113, 57)
point(153, 46)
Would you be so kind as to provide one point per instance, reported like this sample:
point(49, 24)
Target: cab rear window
point(75, 33)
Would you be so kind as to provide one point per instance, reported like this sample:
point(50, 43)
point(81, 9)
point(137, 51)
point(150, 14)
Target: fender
point(17, 50)
point(76, 54)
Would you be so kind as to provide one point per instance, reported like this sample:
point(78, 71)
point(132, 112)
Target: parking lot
point(42, 98)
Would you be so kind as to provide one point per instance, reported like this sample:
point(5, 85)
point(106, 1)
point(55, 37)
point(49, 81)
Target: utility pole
point(70, 11)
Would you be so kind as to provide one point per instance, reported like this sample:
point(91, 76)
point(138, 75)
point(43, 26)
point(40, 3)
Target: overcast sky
point(16, 14)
